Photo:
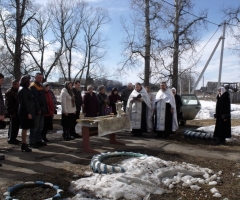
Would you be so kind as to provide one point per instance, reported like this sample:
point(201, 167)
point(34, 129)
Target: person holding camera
point(140, 110)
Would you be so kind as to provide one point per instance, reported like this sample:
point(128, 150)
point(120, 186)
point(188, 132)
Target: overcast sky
point(118, 8)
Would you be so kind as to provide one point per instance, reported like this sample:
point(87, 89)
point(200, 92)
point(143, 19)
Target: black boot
point(25, 148)
point(70, 134)
point(65, 135)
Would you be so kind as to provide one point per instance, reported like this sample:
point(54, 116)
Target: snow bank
point(145, 175)
point(208, 109)
point(210, 129)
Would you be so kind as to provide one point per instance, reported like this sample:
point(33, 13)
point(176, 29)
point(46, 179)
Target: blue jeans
point(35, 133)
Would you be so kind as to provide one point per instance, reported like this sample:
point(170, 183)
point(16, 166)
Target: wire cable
point(207, 43)
point(191, 13)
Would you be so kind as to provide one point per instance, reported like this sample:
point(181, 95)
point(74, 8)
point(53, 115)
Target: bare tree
point(38, 42)
point(94, 50)
point(232, 15)
point(67, 19)
point(14, 16)
point(184, 28)
point(142, 39)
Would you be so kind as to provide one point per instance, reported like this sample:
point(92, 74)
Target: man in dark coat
point(11, 103)
point(125, 95)
point(90, 103)
point(178, 102)
point(38, 92)
point(102, 100)
point(223, 116)
point(2, 109)
point(78, 102)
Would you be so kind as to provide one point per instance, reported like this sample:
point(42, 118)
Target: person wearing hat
point(11, 103)
point(48, 117)
point(90, 103)
point(102, 100)
point(2, 110)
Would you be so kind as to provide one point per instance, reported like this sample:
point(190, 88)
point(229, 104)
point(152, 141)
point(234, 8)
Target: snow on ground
point(208, 109)
point(210, 129)
point(145, 175)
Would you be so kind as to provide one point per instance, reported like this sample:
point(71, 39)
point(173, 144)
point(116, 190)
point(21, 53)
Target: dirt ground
point(63, 161)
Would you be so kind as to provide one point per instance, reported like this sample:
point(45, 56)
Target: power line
point(207, 43)
point(191, 14)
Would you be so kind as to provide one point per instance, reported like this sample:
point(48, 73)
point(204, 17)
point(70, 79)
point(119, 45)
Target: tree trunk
point(176, 44)
point(88, 65)
point(17, 53)
point(147, 44)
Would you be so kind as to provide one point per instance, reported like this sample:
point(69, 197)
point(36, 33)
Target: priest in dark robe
point(140, 110)
point(223, 116)
point(90, 103)
point(165, 111)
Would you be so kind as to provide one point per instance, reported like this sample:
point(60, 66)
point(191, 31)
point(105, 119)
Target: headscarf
point(25, 81)
point(89, 87)
point(101, 87)
point(113, 90)
point(222, 90)
point(174, 89)
point(70, 92)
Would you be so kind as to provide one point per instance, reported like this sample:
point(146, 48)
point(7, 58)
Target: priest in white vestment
point(165, 112)
point(140, 110)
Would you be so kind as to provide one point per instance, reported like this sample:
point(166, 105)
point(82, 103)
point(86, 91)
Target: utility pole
point(205, 67)
point(221, 58)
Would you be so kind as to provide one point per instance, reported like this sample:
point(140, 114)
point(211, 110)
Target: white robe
point(134, 109)
point(161, 99)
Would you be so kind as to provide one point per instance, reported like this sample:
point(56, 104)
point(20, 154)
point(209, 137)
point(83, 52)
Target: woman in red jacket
point(48, 117)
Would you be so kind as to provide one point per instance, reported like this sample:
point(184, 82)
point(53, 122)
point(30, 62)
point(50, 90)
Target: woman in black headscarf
point(26, 110)
point(223, 116)
point(68, 111)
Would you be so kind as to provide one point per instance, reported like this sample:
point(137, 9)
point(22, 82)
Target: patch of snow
point(214, 190)
point(210, 129)
point(145, 175)
point(217, 195)
point(212, 183)
point(208, 109)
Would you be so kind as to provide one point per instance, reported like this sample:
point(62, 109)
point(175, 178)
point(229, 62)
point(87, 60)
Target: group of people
point(162, 113)
point(33, 105)
point(29, 106)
